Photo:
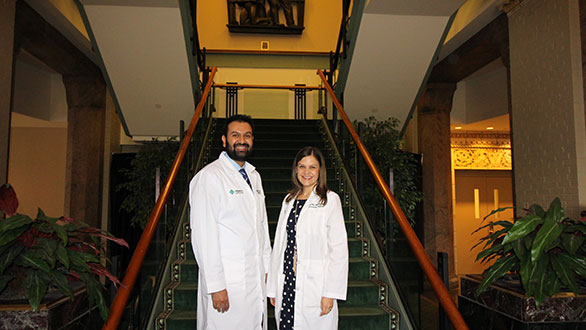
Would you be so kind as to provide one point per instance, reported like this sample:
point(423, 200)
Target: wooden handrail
point(424, 261)
point(123, 293)
point(267, 86)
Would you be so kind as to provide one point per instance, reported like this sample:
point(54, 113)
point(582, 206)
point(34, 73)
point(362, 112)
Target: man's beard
point(238, 155)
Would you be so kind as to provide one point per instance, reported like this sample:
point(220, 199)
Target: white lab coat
point(322, 261)
point(230, 240)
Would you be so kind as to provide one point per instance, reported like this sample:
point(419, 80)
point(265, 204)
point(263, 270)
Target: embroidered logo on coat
point(236, 191)
point(313, 206)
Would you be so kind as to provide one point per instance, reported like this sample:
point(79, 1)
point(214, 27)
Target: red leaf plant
point(52, 252)
point(8, 200)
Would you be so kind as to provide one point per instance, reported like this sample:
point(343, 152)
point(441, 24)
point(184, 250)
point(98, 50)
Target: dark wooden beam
point(35, 35)
point(486, 46)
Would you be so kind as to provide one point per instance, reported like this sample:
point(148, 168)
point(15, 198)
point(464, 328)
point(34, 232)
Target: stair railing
point(135, 264)
point(434, 279)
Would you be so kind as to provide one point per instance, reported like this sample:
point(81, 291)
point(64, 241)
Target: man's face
point(238, 140)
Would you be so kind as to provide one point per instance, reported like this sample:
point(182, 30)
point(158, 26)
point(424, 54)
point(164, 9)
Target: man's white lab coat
point(230, 240)
point(322, 261)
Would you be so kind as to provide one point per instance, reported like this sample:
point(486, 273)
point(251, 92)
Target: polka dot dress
point(287, 307)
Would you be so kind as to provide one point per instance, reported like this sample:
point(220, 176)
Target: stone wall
point(549, 144)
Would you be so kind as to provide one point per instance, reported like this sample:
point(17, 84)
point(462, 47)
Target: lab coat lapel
point(313, 199)
point(241, 184)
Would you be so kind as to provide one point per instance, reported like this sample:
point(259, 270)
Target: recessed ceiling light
point(458, 127)
point(489, 128)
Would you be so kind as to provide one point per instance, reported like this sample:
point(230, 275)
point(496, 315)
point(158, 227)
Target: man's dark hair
point(238, 118)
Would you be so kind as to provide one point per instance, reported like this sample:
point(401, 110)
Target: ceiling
point(142, 46)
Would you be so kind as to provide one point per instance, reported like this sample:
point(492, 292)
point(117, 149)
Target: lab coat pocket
point(313, 284)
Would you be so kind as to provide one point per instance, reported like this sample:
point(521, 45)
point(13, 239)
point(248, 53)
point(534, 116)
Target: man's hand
point(272, 301)
point(220, 301)
point(326, 305)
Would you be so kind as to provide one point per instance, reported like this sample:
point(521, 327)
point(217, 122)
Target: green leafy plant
point(51, 252)
point(546, 249)
point(141, 178)
point(383, 141)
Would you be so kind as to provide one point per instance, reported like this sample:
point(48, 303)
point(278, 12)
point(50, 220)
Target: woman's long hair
point(321, 188)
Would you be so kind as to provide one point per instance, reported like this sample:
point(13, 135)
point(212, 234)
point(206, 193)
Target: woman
point(309, 262)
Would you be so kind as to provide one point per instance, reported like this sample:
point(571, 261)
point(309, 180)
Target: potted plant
point(48, 253)
point(546, 249)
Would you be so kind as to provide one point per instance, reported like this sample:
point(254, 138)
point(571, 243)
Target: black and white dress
point(288, 304)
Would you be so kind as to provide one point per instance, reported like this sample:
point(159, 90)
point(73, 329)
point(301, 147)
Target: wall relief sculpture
point(266, 16)
point(481, 151)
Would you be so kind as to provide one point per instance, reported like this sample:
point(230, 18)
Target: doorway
point(478, 192)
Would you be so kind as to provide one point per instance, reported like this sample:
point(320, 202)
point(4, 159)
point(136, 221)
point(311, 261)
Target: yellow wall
point(69, 9)
point(37, 168)
point(322, 22)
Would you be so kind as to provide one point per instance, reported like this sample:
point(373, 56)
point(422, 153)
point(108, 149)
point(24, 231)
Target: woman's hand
point(326, 305)
point(272, 301)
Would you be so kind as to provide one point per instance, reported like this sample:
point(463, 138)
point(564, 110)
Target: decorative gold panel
point(481, 151)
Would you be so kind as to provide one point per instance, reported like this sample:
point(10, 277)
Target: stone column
point(7, 10)
point(433, 122)
point(547, 99)
point(86, 99)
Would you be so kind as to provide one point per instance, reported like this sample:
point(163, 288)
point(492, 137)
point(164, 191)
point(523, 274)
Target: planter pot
point(503, 307)
point(56, 311)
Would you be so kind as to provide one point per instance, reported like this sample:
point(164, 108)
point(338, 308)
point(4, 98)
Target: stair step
point(350, 318)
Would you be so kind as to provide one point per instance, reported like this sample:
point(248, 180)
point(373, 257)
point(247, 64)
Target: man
point(229, 235)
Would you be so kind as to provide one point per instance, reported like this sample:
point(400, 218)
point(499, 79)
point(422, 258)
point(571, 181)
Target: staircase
point(275, 146)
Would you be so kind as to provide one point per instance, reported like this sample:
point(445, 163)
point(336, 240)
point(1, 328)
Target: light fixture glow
point(489, 128)
point(458, 127)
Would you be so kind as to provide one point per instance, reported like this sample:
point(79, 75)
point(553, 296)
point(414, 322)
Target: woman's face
point(308, 171)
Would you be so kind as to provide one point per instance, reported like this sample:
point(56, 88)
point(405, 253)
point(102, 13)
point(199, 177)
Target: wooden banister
point(424, 261)
point(123, 293)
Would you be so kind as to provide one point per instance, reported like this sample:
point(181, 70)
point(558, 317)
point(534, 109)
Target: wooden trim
point(264, 52)
point(436, 282)
point(123, 293)
point(267, 86)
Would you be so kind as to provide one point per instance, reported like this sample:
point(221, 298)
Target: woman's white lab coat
point(230, 240)
point(322, 261)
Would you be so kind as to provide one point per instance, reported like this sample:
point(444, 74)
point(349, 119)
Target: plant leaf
point(94, 290)
point(14, 221)
point(46, 249)
point(555, 212)
point(537, 210)
point(537, 277)
point(8, 200)
point(548, 233)
point(61, 283)
point(8, 237)
point(525, 272)
point(61, 255)
point(36, 287)
point(571, 242)
point(564, 272)
point(505, 224)
point(495, 248)
point(576, 263)
point(30, 259)
point(497, 211)
point(519, 248)
point(7, 258)
point(496, 271)
point(554, 285)
point(61, 233)
point(522, 227)
point(4, 280)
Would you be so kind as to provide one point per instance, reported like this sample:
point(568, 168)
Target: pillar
point(547, 100)
point(7, 11)
point(86, 100)
point(434, 144)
